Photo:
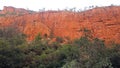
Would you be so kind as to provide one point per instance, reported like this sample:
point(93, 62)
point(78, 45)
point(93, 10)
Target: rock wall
point(103, 22)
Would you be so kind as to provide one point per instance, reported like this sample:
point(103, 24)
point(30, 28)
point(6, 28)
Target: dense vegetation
point(15, 52)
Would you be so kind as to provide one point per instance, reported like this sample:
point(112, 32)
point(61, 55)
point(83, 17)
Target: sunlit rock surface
point(103, 22)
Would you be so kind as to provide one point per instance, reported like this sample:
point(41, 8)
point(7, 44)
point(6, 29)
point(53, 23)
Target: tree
point(12, 35)
point(93, 54)
point(38, 37)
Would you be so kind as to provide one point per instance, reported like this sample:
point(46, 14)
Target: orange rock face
point(9, 10)
point(103, 22)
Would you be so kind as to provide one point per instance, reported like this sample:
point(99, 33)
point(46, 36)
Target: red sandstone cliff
point(9, 10)
point(103, 22)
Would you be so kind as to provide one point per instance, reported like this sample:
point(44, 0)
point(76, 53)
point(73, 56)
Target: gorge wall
point(103, 22)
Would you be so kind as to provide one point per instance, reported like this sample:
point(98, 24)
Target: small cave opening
point(45, 35)
point(34, 20)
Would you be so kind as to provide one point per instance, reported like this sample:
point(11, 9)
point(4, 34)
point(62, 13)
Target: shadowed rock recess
point(103, 22)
